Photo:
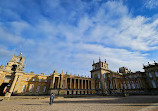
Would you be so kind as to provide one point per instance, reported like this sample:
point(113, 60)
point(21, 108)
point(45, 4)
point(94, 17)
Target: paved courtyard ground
point(131, 103)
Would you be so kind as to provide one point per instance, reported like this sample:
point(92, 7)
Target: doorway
point(67, 92)
point(2, 88)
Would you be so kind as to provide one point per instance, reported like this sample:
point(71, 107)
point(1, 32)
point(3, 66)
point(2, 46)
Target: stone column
point(58, 82)
point(53, 82)
point(61, 81)
point(17, 84)
point(65, 82)
point(70, 83)
point(85, 84)
point(13, 84)
point(81, 83)
point(8, 94)
point(74, 83)
point(88, 84)
point(78, 83)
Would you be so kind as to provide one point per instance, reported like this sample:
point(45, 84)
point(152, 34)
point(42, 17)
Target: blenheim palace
point(103, 81)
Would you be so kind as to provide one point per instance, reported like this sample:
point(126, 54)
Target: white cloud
point(117, 27)
point(108, 34)
point(151, 4)
point(12, 35)
point(115, 57)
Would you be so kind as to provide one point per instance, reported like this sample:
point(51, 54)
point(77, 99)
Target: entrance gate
point(2, 88)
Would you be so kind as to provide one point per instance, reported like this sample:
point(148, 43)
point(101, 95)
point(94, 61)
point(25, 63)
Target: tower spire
point(93, 61)
point(99, 59)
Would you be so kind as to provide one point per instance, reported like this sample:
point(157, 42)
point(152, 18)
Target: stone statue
point(22, 60)
point(1, 67)
point(13, 59)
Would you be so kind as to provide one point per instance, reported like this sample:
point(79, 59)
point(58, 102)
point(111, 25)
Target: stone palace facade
point(103, 81)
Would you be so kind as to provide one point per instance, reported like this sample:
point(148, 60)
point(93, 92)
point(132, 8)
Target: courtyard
point(96, 103)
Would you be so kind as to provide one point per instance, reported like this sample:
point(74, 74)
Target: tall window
point(99, 75)
point(125, 86)
point(99, 85)
point(24, 87)
point(133, 85)
point(104, 75)
point(44, 89)
point(150, 75)
point(45, 80)
point(153, 84)
point(27, 79)
point(40, 80)
point(137, 84)
point(31, 88)
point(129, 86)
point(156, 74)
point(93, 76)
point(114, 84)
point(105, 85)
point(33, 79)
point(140, 85)
point(121, 86)
point(134, 76)
point(38, 88)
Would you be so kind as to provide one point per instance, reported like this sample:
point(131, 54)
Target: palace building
point(103, 81)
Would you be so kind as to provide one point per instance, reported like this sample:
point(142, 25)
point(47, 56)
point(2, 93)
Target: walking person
point(51, 99)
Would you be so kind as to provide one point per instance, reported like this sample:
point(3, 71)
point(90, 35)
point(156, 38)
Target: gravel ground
point(131, 103)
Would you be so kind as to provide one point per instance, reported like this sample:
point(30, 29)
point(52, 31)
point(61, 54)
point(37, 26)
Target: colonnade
point(70, 83)
point(124, 84)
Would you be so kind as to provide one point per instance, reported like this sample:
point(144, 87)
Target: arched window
point(44, 89)
point(156, 74)
point(38, 88)
point(129, 86)
point(153, 84)
point(31, 88)
point(150, 75)
point(133, 85)
point(24, 87)
point(99, 75)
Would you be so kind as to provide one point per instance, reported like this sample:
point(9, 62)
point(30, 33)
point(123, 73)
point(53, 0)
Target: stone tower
point(16, 63)
point(14, 69)
point(98, 72)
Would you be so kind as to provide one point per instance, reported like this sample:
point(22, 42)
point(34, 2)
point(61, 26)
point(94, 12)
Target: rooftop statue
point(1, 67)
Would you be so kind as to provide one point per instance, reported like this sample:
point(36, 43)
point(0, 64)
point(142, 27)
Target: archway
point(14, 67)
point(2, 88)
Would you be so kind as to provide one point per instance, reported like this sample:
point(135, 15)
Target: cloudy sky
point(68, 34)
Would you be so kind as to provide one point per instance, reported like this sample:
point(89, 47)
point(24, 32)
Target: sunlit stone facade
point(103, 81)
point(124, 81)
point(151, 72)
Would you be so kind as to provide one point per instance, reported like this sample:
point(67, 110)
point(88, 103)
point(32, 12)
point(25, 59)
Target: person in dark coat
point(51, 99)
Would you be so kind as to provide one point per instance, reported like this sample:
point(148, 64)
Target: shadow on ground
point(121, 100)
point(112, 101)
point(32, 104)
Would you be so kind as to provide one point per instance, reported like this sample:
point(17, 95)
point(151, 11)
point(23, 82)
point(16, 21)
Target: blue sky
point(68, 34)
